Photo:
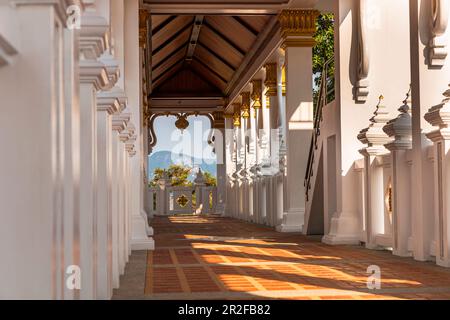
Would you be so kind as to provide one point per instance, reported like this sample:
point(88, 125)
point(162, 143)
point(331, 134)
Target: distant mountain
point(164, 159)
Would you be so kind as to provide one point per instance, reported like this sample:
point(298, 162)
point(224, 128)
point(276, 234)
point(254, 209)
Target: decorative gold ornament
point(144, 15)
point(237, 115)
point(283, 80)
point(182, 123)
point(271, 79)
point(245, 108)
point(257, 94)
point(267, 102)
point(298, 27)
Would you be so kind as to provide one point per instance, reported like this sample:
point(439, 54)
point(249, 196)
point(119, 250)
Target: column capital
point(107, 103)
point(94, 72)
point(298, 27)
point(374, 136)
point(94, 36)
point(219, 120)
point(112, 68)
point(400, 128)
point(237, 115)
point(271, 79)
point(439, 116)
point(257, 94)
point(120, 121)
point(245, 107)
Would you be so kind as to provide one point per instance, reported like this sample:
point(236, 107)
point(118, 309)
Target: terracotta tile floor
point(221, 258)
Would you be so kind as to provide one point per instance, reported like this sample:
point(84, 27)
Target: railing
point(166, 199)
point(325, 96)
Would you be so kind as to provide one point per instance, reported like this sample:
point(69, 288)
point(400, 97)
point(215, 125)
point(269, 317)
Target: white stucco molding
point(112, 68)
point(400, 128)
point(374, 136)
point(362, 84)
point(118, 124)
point(94, 36)
point(439, 116)
point(107, 103)
point(62, 7)
point(439, 23)
point(95, 73)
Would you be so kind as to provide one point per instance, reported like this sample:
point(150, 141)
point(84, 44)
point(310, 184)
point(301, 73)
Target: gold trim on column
point(298, 27)
point(237, 115)
point(283, 80)
point(144, 15)
point(257, 94)
point(271, 79)
point(245, 108)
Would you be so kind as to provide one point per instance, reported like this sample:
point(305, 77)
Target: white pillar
point(32, 136)
point(118, 126)
point(139, 224)
point(439, 116)
point(400, 130)
point(375, 139)
point(108, 103)
point(428, 78)
point(298, 43)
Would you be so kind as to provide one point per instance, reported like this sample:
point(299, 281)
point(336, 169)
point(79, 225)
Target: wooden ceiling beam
point(215, 54)
point(172, 37)
point(224, 38)
point(198, 23)
point(169, 72)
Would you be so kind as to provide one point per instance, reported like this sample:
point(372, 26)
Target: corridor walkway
point(222, 258)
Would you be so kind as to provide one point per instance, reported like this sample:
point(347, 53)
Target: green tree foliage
point(178, 175)
point(324, 50)
point(211, 181)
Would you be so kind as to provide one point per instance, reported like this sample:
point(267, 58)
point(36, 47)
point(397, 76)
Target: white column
point(32, 136)
point(72, 156)
point(400, 130)
point(298, 43)
point(93, 77)
point(220, 149)
point(139, 224)
point(429, 77)
point(375, 139)
point(108, 103)
point(439, 116)
point(118, 126)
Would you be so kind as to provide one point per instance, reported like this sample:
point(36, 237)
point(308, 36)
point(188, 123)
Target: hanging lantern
point(182, 123)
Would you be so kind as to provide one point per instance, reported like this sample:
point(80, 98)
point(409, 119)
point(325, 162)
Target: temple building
point(321, 175)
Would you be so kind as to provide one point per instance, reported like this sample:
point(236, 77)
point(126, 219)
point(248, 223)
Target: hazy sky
point(193, 141)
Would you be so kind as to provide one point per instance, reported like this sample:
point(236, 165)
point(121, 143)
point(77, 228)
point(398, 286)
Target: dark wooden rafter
point(216, 49)
point(200, 70)
point(198, 23)
point(169, 72)
point(246, 25)
point(174, 51)
point(226, 39)
point(162, 24)
point(215, 54)
point(210, 70)
point(214, 63)
point(172, 38)
point(174, 59)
